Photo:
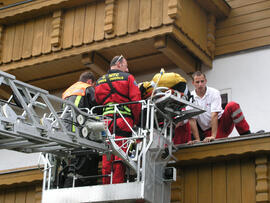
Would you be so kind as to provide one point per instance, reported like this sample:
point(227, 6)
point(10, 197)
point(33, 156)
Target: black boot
point(246, 133)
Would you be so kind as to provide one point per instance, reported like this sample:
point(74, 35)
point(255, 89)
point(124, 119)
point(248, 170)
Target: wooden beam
point(63, 80)
point(95, 63)
point(21, 177)
point(59, 81)
point(175, 53)
point(150, 63)
point(219, 8)
point(223, 7)
point(192, 47)
point(227, 149)
point(211, 33)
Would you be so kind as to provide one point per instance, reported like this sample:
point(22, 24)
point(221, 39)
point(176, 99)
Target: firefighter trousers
point(182, 134)
point(114, 162)
point(232, 116)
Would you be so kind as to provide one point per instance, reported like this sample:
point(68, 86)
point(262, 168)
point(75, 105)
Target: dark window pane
point(224, 100)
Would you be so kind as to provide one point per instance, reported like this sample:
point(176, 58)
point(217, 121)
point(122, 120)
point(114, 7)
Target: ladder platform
point(124, 192)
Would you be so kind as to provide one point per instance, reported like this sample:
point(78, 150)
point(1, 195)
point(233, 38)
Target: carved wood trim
point(177, 188)
point(211, 32)
point(262, 178)
point(28, 176)
point(57, 24)
point(38, 193)
point(173, 8)
point(1, 42)
point(109, 16)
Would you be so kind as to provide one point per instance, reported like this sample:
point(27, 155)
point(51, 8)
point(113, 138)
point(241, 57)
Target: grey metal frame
point(22, 130)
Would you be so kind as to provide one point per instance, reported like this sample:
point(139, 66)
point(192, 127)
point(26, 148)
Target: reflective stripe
point(238, 119)
point(127, 109)
point(77, 101)
point(236, 112)
point(110, 110)
point(77, 89)
point(73, 128)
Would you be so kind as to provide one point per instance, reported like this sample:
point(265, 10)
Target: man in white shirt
point(215, 122)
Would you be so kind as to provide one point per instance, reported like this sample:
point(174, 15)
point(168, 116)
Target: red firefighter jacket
point(119, 87)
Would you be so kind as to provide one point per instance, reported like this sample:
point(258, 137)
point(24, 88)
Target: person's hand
point(193, 142)
point(181, 123)
point(209, 139)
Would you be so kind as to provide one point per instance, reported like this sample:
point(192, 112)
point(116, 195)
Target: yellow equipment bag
point(171, 80)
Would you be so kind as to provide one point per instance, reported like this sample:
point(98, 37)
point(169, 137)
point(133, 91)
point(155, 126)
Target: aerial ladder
point(36, 122)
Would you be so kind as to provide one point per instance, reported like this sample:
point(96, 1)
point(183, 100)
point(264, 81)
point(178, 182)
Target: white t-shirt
point(210, 102)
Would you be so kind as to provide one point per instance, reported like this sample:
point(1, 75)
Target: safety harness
point(109, 109)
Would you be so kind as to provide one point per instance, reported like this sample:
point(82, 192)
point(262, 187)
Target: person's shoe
point(246, 133)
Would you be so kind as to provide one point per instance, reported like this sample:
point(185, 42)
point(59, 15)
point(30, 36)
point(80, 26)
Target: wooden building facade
point(247, 26)
point(233, 170)
point(21, 185)
point(49, 43)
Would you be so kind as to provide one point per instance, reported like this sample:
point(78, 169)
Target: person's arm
point(214, 127)
point(194, 130)
point(90, 97)
point(90, 100)
point(215, 109)
point(134, 95)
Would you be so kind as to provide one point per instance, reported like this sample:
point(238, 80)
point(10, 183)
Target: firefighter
point(118, 86)
point(82, 94)
point(215, 122)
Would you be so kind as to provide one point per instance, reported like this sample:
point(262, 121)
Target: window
point(226, 97)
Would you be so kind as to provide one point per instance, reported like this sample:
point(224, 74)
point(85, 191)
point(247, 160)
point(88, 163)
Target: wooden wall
point(24, 185)
point(232, 170)
point(27, 39)
point(248, 26)
point(21, 194)
point(71, 29)
point(231, 181)
point(193, 22)
point(75, 27)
